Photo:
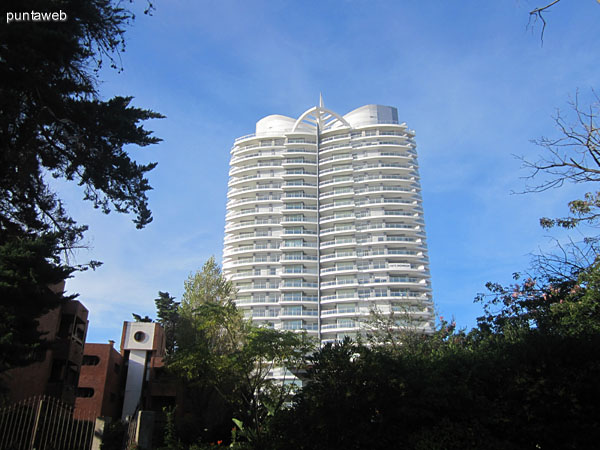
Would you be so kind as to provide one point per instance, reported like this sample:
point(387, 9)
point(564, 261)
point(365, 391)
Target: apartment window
point(294, 282)
point(90, 360)
point(293, 311)
point(292, 325)
point(294, 269)
point(294, 243)
point(346, 323)
point(85, 392)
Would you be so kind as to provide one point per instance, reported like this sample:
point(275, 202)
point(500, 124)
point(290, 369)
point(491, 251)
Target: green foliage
point(138, 318)
point(171, 441)
point(53, 121)
point(114, 433)
point(525, 378)
point(220, 351)
point(206, 286)
point(567, 307)
point(167, 312)
point(534, 393)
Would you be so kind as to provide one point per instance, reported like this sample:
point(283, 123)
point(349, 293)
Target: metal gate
point(44, 423)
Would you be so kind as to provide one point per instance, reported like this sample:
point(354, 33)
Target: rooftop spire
point(321, 104)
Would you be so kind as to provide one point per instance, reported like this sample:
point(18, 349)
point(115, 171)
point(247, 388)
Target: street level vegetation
point(526, 377)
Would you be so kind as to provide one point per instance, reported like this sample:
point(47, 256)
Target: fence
point(44, 423)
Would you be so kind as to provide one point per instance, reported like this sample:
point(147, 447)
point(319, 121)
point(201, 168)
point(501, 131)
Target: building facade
point(56, 372)
point(325, 225)
point(99, 387)
point(142, 346)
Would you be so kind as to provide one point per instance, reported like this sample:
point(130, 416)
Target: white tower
point(139, 342)
point(324, 223)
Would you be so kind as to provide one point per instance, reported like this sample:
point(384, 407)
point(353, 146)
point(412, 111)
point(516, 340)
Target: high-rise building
point(324, 223)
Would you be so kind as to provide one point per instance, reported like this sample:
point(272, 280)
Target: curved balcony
point(389, 253)
point(253, 189)
point(382, 215)
point(251, 275)
point(338, 243)
point(291, 286)
point(258, 289)
point(330, 149)
point(240, 181)
point(306, 247)
point(345, 204)
point(387, 167)
point(339, 312)
point(260, 223)
point(236, 160)
point(297, 196)
point(421, 297)
point(290, 258)
point(338, 171)
point(337, 328)
point(298, 162)
point(304, 314)
point(298, 173)
point(256, 302)
point(294, 151)
point(311, 328)
point(340, 158)
point(337, 181)
point(337, 194)
point(403, 267)
point(289, 298)
point(339, 230)
point(257, 248)
point(337, 218)
point(307, 221)
point(231, 204)
point(387, 155)
point(390, 179)
point(265, 165)
point(333, 257)
point(242, 262)
point(389, 227)
point(308, 188)
point(251, 213)
point(242, 237)
point(333, 137)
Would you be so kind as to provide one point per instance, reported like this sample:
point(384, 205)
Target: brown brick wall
point(103, 379)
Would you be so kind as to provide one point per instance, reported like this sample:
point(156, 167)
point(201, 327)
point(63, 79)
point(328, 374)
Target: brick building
point(100, 380)
point(56, 373)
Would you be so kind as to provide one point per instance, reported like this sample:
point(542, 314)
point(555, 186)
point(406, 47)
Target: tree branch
point(537, 13)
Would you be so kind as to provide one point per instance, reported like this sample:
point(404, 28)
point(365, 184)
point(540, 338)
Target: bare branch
point(537, 13)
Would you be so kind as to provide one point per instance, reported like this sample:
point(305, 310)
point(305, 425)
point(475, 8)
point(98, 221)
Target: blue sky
point(467, 75)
